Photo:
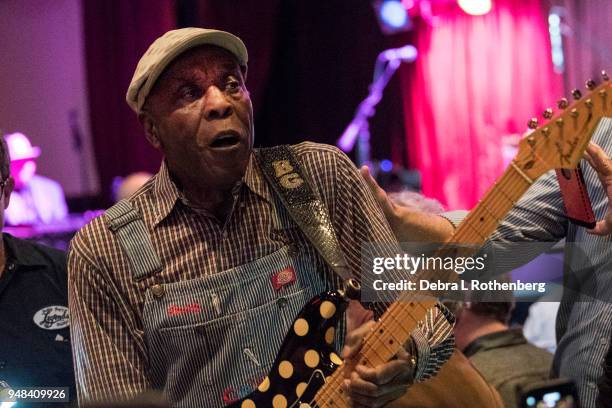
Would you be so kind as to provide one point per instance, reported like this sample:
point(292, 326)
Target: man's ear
point(150, 129)
point(8, 189)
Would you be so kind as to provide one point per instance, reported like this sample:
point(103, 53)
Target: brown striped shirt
point(106, 303)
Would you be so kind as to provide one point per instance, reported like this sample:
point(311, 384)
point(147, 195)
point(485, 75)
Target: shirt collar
point(166, 192)
point(255, 181)
point(495, 340)
point(21, 253)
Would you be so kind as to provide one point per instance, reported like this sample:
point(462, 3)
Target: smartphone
point(559, 393)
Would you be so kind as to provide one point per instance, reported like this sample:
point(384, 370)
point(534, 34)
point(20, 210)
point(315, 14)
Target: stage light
point(386, 166)
point(556, 40)
point(392, 15)
point(475, 7)
point(408, 4)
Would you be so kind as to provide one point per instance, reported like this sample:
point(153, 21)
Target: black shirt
point(34, 335)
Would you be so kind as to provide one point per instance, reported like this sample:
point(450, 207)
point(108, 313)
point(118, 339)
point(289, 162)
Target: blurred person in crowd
point(501, 354)
point(124, 187)
point(36, 199)
point(34, 337)
point(412, 199)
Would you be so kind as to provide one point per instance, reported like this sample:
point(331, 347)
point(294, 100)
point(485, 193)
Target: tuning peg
point(590, 84)
point(533, 123)
point(548, 113)
point(577, 94)
point(604, 75)
point(562, 103)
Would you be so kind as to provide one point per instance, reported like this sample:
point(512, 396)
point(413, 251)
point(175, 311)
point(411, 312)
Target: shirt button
point(158, 290)
point(281, 302)
point(592, 385)
point(2, 364)
point(11, 266)
point(603, 341)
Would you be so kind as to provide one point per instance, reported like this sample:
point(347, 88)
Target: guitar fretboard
point(393, 329)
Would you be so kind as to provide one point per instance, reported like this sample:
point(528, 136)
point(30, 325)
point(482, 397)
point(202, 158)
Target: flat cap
point(166, 48)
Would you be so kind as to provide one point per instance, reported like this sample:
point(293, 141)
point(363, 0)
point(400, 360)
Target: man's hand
point(374, 387)
point(601, 163)
point(409, 224)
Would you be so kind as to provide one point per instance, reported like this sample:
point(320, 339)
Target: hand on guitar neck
point(374, 387)
point(409, 224)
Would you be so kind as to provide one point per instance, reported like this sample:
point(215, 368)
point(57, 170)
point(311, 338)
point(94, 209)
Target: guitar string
point(505, 181)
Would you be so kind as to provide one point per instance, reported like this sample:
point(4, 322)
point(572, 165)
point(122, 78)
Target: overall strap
point(283, 172)
point(127, 225)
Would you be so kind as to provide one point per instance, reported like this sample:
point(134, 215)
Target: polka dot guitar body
point(306, 359)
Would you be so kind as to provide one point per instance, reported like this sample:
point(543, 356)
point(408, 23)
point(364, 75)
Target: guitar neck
point(402, 317)
point(393, 329)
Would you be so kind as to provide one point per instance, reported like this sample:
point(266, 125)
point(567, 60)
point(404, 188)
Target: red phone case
point(575, 197)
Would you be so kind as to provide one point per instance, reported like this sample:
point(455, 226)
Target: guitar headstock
point(560, 142)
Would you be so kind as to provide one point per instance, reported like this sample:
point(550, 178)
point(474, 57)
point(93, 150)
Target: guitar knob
point(533, 123)
point(604, 75)
point(590, 84)
point(562, 103)
point(548, 113)
point(577, 94)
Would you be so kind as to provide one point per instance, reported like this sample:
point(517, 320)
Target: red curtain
point(477, 80)
point(117, 33)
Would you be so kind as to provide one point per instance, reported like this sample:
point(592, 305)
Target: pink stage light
point(475, 7)
point(408, 4)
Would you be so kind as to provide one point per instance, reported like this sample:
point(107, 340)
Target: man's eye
point(232, 85)
point(190, 92)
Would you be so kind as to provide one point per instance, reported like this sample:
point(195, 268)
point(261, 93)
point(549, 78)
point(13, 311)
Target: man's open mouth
point(225, 139)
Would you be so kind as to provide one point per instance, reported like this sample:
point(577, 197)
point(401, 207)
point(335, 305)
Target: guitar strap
point(126, 223)
point(284, 174)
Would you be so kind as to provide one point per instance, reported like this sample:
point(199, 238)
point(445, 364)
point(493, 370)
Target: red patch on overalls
point(283, 278)
point(174, 310)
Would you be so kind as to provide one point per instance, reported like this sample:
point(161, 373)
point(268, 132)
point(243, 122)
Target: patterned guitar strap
point(284, 174)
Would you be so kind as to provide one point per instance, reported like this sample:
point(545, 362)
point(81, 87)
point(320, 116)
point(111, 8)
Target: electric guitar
point(308, 373)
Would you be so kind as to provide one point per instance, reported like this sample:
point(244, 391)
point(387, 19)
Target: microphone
point(407, 53)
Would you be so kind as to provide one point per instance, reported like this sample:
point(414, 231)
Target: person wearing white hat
point(190, 284)
point(36, 199)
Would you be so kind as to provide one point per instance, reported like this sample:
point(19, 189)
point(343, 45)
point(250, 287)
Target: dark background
point(310, 64)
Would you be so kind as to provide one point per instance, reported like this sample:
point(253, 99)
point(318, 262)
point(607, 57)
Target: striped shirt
point(584, 320)
point(110, 352)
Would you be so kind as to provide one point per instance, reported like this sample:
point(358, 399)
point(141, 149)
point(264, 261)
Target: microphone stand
point(359, 130)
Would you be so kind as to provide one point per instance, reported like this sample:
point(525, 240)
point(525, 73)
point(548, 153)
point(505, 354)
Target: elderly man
point(34, 339)
point(201, 315)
